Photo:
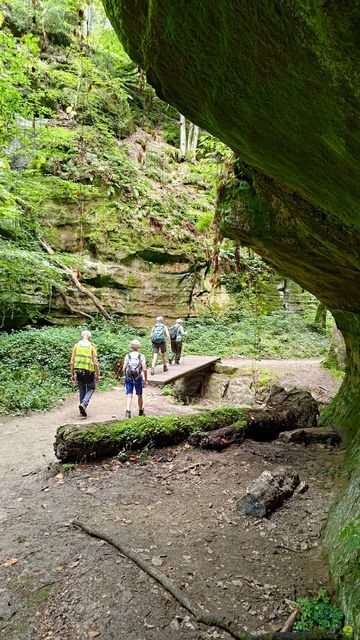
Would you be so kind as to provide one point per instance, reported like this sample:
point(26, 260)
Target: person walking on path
point(84, 369)
point(135, 377)
point(177, 335)
point(159, 335)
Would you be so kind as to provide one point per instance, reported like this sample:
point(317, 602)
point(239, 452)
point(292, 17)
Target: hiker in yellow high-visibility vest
point(84, 369)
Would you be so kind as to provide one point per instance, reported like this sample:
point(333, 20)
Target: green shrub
point(34, 363)
point(319, 613)
point(280, 334)
point(34, 371)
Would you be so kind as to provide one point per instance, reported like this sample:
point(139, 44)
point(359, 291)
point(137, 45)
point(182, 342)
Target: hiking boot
point(141, 412)
point(152, 371)
point(127, 414)
point(82, 410)
point(166, 367)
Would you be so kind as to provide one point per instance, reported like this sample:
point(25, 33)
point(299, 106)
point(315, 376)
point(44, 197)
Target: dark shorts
point(84, 376)
point(137, 384)
point(159, 345)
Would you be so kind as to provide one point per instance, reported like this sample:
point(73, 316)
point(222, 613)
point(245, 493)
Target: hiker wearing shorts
point(177, 335)
point(84, 369)
point(135, 371)
point(159, 335)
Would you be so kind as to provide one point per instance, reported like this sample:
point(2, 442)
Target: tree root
point(211, 619)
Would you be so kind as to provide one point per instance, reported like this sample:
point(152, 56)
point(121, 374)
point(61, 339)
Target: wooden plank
point(187, 366)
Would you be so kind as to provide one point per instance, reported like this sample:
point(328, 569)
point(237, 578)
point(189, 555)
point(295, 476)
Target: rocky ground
point(175, 507)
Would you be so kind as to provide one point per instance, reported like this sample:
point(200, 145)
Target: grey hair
point(86, 335)
point(159, 319)
point(135, 344)
point(179, 321)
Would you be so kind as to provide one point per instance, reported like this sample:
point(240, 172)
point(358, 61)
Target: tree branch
point(75, 281)
point(208, 618)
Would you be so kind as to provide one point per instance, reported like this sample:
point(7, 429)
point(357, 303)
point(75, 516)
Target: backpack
point(173, 331)
point(158, 333)
point(133, 367)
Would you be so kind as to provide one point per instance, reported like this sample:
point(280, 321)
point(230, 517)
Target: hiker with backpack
point(177, 335)
point(135, 377)
point(84, 369)
point(159, 335)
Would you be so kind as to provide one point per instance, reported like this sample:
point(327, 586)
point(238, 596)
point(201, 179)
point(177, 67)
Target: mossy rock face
point(279, 84)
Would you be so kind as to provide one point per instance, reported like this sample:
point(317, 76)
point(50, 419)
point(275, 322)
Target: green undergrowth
point(318, 613)
point(34, 369)
point(108, 439)
point(280, 334)
point(34, 363)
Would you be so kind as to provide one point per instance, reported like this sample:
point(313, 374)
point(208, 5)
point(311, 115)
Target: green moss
point(107, 439)
point(344, 559)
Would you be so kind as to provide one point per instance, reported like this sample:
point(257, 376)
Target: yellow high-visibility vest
point(84, 356)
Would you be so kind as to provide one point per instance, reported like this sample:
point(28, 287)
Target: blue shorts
point(131, 384)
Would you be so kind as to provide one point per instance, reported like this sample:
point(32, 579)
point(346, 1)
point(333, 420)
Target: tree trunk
point(98, 440)
point(267, 492)
point(182, 150)
point(194, 143)
point(320, 316)
point(189, 137)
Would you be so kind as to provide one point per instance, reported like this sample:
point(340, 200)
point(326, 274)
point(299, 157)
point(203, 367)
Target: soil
point(177, 508)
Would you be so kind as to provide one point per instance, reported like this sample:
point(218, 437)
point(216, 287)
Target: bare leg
point(163, 358)
point(140, 402)
point(154, 358)
point(129, 397)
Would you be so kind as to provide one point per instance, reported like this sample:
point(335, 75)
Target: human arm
point(96, 364)
point(144, 370)
point(72, 360)
point(167, 333)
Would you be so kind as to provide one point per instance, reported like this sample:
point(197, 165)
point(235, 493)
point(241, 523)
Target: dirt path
point(27, 441)
point(306, 374)
point(66, 586)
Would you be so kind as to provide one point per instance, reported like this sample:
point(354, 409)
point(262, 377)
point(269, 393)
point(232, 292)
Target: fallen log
point(268, 491)
point(218, 439)
point(211, 619)
point(93, 441)
point(99, 440)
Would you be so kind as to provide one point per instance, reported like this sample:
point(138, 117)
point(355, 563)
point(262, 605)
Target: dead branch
point(75, 280)
point(71, 308)
point(208, 618)
point(290, 621)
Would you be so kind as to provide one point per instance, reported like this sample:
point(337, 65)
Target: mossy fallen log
point(91, 441)
point(94, 441)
